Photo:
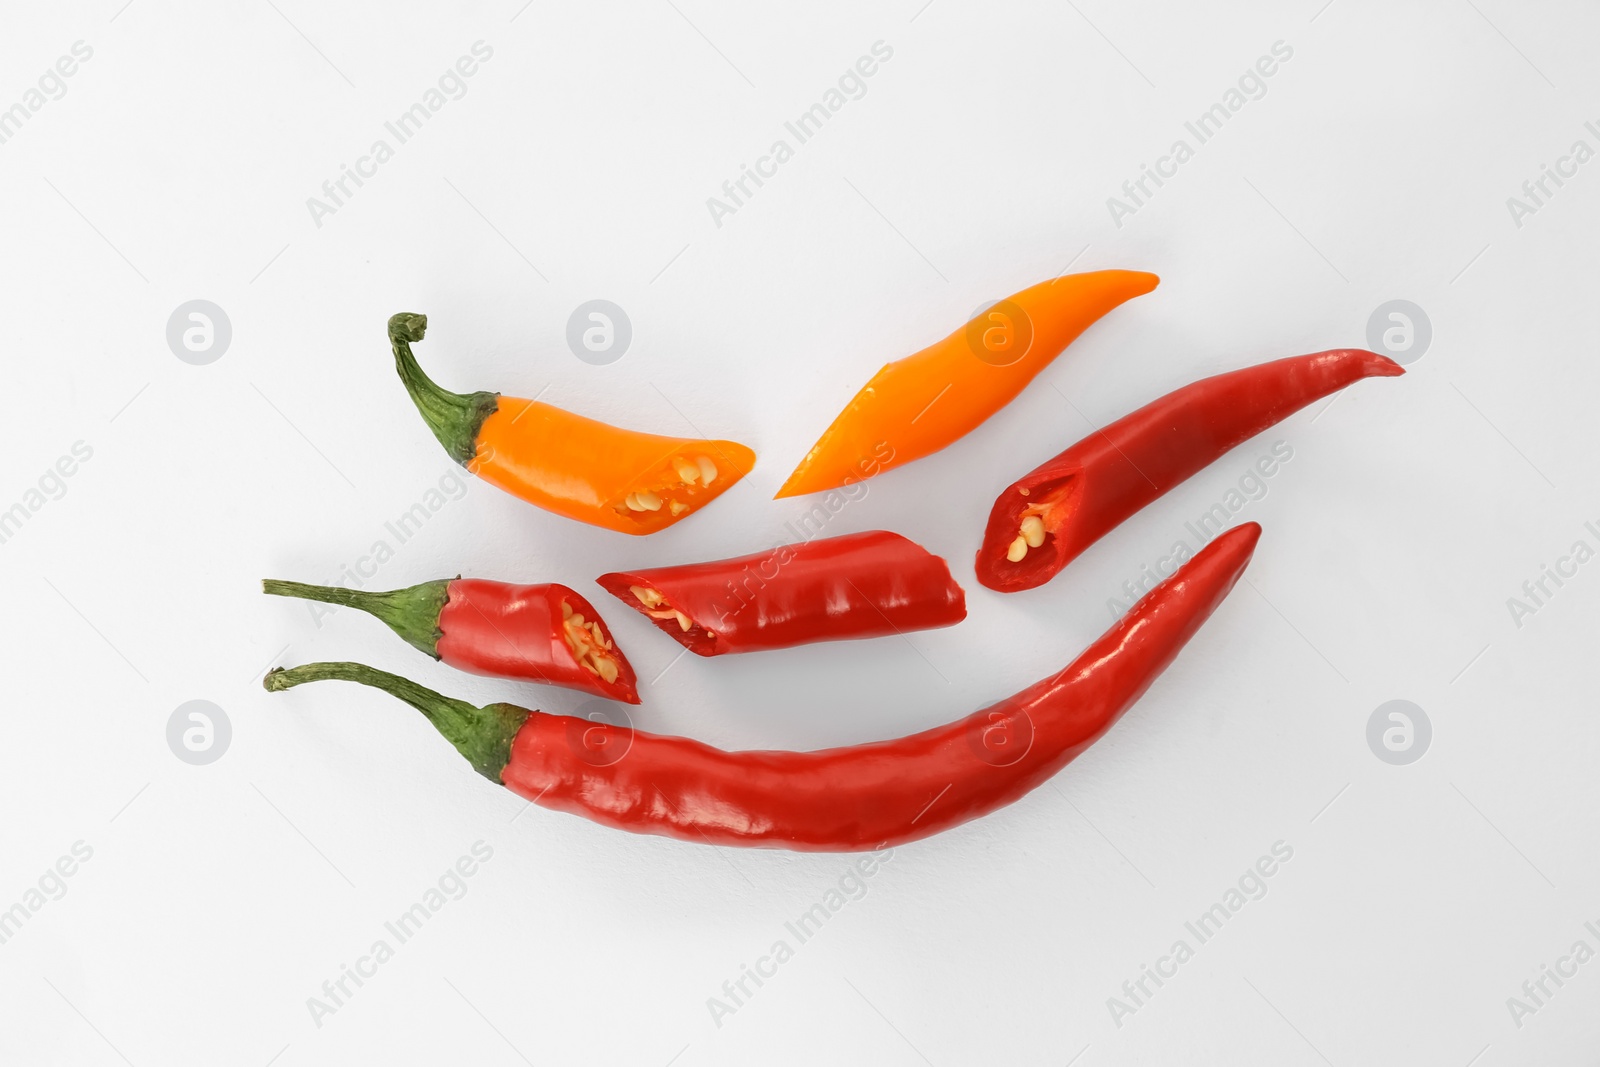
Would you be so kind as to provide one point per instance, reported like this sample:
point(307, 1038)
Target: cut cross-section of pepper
point(624, 480)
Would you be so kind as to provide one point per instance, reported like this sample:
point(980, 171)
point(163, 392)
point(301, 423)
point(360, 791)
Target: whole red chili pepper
point(836, 800)
point(1043, 520)
point(539, 633)
point(832, 589)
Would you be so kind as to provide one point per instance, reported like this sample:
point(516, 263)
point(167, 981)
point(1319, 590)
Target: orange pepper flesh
point(917, 405)
point(586, 469)
point(581, 468)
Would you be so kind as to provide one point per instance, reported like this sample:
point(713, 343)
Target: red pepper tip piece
point(1382, 366)
point(1242, 539)
point(1214, 570)
point(1365, 363)
point(1225, 558)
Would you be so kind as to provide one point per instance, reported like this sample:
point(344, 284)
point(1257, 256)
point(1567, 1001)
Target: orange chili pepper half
point(915, 406)
point(625, 480)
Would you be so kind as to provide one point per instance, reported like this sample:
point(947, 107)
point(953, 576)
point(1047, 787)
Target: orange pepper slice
point(587, 470)
point(619, 479)
point(915, 406)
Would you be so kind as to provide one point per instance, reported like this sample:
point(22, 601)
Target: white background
point(577, 166)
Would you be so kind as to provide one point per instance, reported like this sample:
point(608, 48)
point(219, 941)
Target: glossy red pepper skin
point(836, 800)
point(515, 631)
point(493, 628)
point(871, 584)
point(1113, 473)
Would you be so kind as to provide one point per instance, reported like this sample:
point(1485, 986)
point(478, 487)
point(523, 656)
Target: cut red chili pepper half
point(831, 589)
point(537, 633)
point(836, 800)
point(1044, 519)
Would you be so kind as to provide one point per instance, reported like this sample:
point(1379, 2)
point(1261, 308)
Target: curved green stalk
point(454, 418)
point(413, 612)
point(482, 735)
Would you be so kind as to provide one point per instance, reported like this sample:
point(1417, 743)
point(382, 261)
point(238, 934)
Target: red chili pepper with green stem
point(835, 800)
point(537, 633)
point(1046, 518)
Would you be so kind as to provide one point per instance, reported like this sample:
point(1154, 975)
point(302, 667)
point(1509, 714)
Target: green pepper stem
point(413, 612)
point(454, 418)
point(482, 735)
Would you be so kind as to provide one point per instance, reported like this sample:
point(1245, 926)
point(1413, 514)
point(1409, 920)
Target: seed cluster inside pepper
point(1037, 522)
point(694, 473)
point(655, 605)
point(589, 643)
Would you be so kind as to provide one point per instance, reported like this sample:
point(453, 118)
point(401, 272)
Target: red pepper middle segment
point(831, 589)
point(539, 633)
point(1043, 520)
